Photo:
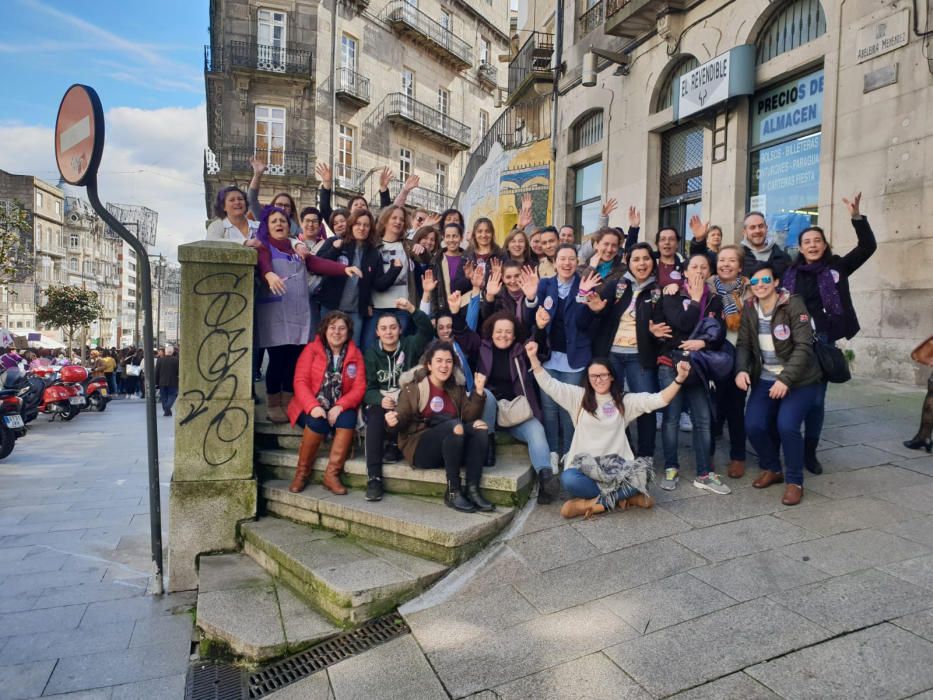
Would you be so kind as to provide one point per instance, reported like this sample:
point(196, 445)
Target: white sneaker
point(685, 423)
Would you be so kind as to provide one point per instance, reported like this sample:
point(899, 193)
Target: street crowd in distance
point(421, 326)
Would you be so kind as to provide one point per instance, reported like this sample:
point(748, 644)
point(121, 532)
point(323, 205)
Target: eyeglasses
point(600, 377)
point(764, 280)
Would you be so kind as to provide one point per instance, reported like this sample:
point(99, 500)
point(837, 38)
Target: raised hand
point(478, 277)
point(258, 165)
point(529, 283)
point(405, 305)
point(634, 217)
point(542, 318)
point(454, 302)
point(432, 220)
point(596, 303)
point(531, 349)
point(698, 228)
point(659, 330)
point(683, 370)
point(494, 283)
point(609, 206)
point(428, 282)
point(385, 177)
point(479, 382)
point(325, 175)
point(411, 183)
point(524, 215)
point(590, 282)
point(417, 249)
point(853, 205)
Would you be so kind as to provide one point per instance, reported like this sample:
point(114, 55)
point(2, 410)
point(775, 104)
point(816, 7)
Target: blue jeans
point(347, 419)
point(168, 394)
point(358, 322)
point(695, 395)
point(815, 414)
point(579, 485)
point(531, 432)
point(634, 378)
point(369, 334)
point(763, 414)
point(557, 422)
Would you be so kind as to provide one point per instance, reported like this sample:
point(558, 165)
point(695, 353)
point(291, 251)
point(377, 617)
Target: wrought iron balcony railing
point(431, 122)
point(488, 73)
point(255, 56)
point(420, 197)
point(613, 6)
point(532, 63)
point(352, 86)
point(404, 16)
point(282, 163)
point(591, 18)
point(348, 178)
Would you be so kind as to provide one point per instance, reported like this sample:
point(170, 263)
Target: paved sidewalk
point(74, 559)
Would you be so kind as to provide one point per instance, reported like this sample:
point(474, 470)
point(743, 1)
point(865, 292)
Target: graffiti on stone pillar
point(222, 347)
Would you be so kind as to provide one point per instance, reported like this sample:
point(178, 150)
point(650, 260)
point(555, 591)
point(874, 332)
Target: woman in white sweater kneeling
point(602, 473)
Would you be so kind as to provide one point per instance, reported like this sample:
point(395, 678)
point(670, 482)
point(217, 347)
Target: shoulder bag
point(832, 361)
point(515, 411)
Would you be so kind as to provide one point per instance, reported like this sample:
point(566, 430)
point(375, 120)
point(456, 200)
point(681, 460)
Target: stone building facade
point(837, 102)
point(409, 84)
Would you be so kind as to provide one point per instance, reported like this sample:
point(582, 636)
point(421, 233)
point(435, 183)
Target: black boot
point(392, 454)
point(548, 487)
point(374, 490)
point(456, 500)
point(491, 451)
point(476, 498)
point(810, 462)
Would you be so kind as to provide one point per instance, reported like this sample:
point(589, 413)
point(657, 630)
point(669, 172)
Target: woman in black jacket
point(622, 311)
point(821, 278)
point(357, 248)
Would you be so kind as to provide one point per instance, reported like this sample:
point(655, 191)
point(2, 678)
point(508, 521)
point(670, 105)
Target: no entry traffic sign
point(79, 135)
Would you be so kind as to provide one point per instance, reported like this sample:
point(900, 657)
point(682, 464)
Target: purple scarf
point(829, 294)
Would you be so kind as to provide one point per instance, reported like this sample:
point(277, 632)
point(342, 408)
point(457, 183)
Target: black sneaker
point(548, 487)
point(392, 454)
point(374, 490)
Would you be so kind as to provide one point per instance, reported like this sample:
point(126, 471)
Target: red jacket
point(309, 373)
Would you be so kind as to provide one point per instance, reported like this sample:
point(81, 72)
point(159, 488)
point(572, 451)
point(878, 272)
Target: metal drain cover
point(214, 681)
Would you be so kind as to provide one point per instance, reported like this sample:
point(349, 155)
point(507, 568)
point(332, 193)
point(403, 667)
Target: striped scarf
point(731, 294)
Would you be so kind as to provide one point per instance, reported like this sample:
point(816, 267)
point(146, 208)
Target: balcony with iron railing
point(279, 163)
point(349, 179)
point(531, 71)
point(431, 123)
point(253, 56)
point(488, 74)
point(635, 18)
point(591, 18)
point(408, 20)
point(420, 197)
point(352, 87)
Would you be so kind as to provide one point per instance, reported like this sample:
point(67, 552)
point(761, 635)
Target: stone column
point(213, 487)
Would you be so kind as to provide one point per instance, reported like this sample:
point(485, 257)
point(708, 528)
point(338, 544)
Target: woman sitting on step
point(330, 381)
point(602, 472)
point(439, 425)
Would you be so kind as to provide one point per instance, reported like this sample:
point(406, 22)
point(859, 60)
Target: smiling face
point(278, 226)
point(452, 240)
point(429, 241)
point(311, 226)
point(512, 278)
point(607, 247)
point(599, 377)
point(566, 263)
point(358, 204)
point(641, 264)
point(387, 330)
point(482, 236)
point(445, 328)
point(812, 245)
point(755, 229)
point(361, 228)
point(566, 235)
point(714, 238)
point(516, 247)
point(535, 242)
point(453, 218)
point(503, 334)
point(441, 366)
point(340, 224)
point(549, 243)
point(395, 225)
point(764, 284)
point(728, 265)
point(336, 334)
point(283, 202)
point(417, 221)
point(235, 203)
point(667, 243)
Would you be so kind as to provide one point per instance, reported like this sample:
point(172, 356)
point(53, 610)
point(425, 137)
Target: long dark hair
point(371, 240)
point(826, 253)
point(589, 393)
point(441, 346)
point(643, 245)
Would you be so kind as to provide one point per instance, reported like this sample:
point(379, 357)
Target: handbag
point(515, 411)
point(134, 370)
point(832, 361)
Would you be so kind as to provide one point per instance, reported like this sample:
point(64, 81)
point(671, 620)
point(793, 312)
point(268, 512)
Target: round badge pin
point(781, 332)
point(351, 370)
point(437, 404)
point(548, 303)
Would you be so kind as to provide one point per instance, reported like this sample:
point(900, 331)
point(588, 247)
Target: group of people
point(435, 337)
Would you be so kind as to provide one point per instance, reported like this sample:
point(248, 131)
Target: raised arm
point(866, 244)
point(568, 396)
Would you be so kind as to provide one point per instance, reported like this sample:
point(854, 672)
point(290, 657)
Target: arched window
point(587, 131)
point(686, 64)
point(798, 23)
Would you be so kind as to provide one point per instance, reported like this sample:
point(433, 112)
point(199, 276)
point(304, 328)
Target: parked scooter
point(97, 393)
point(11, 422)
point(63, 394)
point(27, 387)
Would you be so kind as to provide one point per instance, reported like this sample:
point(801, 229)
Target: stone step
point(506, 484)
point(244, 611)
point(421, 526)
point(349, 580)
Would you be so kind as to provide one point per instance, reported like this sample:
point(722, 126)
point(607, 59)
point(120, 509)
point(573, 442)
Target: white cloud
point(151, 157)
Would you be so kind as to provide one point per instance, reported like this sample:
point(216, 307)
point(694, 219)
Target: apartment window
point(132, 267)
point(443, 101)
point(270, 137)
point(485, 51)
point(345, 152)
point(73, 264)
point(408, 83)
point(74, 240)
point(270, 34)
point(38, 200)
point(587, 196)
point(447, 21)
point(483, 122)
point(440, 177)
point(131, 280)
point(348, 52)
point(587, 131)
point(404, 164)
point(58, 208)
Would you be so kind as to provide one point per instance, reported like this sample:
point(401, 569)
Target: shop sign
point(883, 36)
point(788, 109)
point(728, 75)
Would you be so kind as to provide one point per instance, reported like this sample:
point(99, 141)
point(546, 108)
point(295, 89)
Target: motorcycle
point(97, 393)
point(11, 422)
point(63, 394)
point(27, 387)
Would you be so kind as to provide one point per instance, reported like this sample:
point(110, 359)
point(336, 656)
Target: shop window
point(665, 94)
point(587, 199)
point(798, 23)
point(681, 177)
point(587, 131)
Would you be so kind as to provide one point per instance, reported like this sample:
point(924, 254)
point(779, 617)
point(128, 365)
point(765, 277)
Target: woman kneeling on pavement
point(604, 474)
point(775, 357)
point(440, 425)
point(330, 381)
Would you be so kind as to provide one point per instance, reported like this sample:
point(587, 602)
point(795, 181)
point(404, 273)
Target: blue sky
point(145, 59)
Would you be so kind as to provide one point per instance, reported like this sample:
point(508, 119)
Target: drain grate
point(214, 681)
point(327, 653)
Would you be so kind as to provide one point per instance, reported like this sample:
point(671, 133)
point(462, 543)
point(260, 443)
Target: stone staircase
point(316, 562)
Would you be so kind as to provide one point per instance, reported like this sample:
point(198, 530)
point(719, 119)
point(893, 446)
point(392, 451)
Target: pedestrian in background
point(166, 379)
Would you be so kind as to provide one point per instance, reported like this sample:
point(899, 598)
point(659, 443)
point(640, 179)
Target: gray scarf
point(612, 472)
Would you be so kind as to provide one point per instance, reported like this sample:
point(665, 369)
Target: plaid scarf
point(329, 392)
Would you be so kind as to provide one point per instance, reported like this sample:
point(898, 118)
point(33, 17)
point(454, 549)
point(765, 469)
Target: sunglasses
point(764, 280)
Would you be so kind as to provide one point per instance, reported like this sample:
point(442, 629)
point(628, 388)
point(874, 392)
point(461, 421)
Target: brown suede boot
point(274, 411)
point(736, 469)
point(310, 443)
point(339, 451)
point(640, 500)
point(576, 507)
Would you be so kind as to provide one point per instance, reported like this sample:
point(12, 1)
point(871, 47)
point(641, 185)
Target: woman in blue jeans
point(602, 473)
point(621, 313)
point(676, 316)
point(501, 359)
point(774, 356)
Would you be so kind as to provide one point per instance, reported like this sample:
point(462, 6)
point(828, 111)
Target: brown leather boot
point(310, 443)
point(274, 411)
point(640, 500)
point(736, 469)
point(576, 507)
point(339, 451)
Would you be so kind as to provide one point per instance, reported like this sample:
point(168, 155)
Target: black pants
point(280, 374)
point(730, 408)
point(376, 433)
point(441, 447)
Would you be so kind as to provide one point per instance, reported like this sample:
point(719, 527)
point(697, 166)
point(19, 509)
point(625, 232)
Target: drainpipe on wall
point(558, 60)
point(333, 81)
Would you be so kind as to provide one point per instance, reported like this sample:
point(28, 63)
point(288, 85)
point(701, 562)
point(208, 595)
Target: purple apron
point(285, 320)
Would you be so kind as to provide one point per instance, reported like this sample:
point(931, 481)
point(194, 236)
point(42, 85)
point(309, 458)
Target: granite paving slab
point(851, 457)
point(738, 686)
point(918, 571)
point(622, 529)
point(21, 681)
point(396, 670)
point(918, 497)
point(920, 623)
point(713, 510)
point(757, 575)
point(843, 515)
point(870, 481)
point(851, 551)
point(922, 463)
point(549, 549)
point(735, 539)
point(117, 668)
point(590, 676)
point(314, 687)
